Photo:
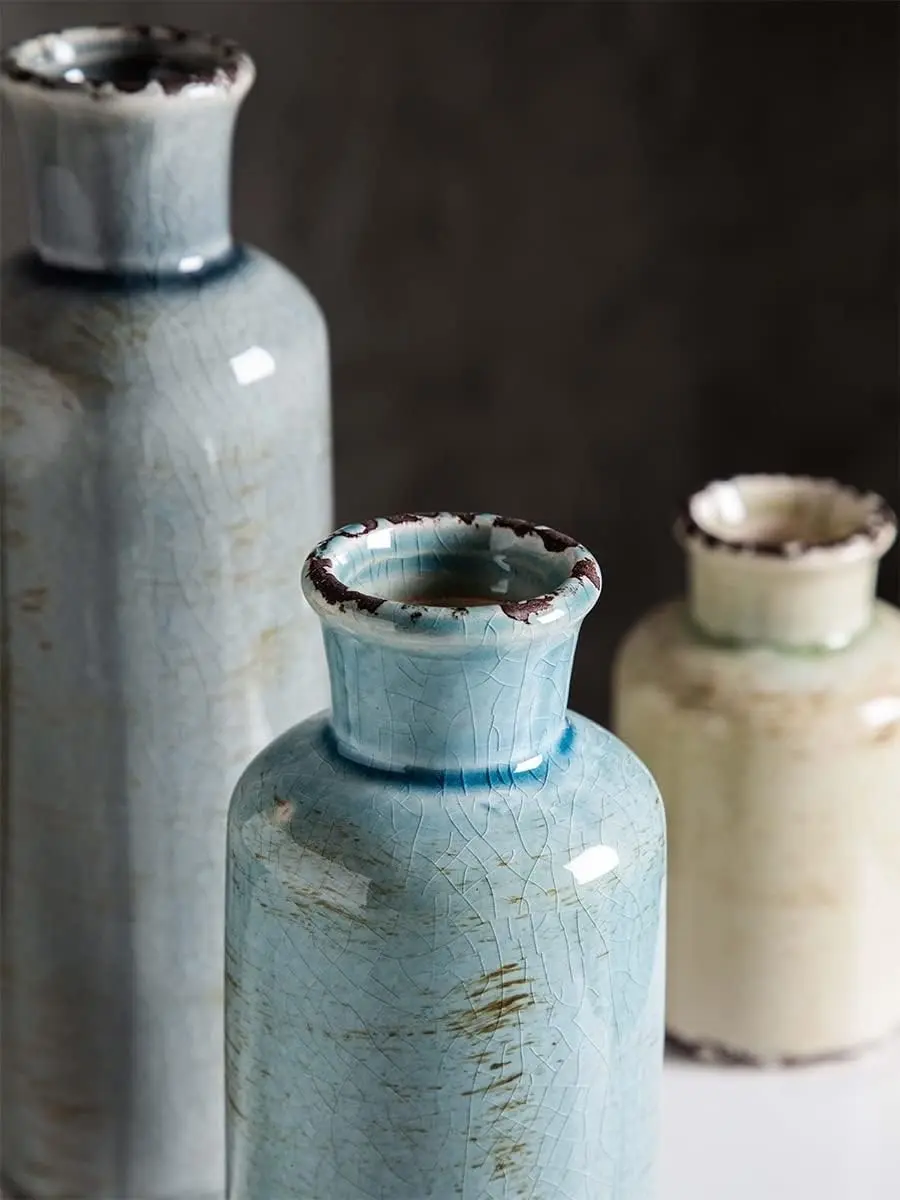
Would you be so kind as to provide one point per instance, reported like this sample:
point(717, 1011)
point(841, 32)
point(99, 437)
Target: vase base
point(706, 1050)
point(9, 1191)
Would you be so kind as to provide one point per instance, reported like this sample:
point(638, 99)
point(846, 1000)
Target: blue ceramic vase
point(444, 945)
point(165, 437)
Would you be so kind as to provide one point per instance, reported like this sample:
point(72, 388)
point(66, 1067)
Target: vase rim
point(803, 520)
point(331, 569)
point(126, 63)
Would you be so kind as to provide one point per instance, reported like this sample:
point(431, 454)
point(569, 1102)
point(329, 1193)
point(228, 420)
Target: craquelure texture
point(445, 963)
point(165, 449)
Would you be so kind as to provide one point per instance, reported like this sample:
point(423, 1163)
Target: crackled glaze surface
point(768, 707)
point(445, 936)
point(165, 450)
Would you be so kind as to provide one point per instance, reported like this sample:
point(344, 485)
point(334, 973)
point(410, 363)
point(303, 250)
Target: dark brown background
point(576, 258)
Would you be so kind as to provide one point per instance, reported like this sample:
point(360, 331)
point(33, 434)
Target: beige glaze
point(779, 764)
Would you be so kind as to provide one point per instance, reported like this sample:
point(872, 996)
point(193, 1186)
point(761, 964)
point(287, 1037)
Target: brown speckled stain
point(524, 610)
point(368, 526)
point(140, 57)
point(282, 810)
point(586, 568)
point(333, 591)
point(337, 593)
point(880, 517)
point(713, 1052)
point(494, 1003)
point(33, 600)
point(411, 518)
point(554, 542)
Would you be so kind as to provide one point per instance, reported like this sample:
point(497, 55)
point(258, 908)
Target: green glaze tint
point(445, 898)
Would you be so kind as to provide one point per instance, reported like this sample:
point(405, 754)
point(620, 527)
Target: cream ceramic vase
point(767, 705)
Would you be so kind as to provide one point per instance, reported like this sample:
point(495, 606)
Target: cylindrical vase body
point(767, 704)
point(165, 442)
point(445, 924)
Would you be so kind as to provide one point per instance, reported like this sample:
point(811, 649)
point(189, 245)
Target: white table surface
point(824, 1132)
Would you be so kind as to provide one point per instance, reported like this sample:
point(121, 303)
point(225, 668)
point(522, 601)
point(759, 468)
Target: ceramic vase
point(165, 443)
point(444, 937)
point(767, 704)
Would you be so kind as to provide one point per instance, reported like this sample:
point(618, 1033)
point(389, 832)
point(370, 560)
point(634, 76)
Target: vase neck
point(784, 561)
point(780, 604)
point(486, 709)
point(128, 166)
point(450, 639)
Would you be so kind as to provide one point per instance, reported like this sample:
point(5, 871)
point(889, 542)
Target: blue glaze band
point(122, 281)
point(488, 777)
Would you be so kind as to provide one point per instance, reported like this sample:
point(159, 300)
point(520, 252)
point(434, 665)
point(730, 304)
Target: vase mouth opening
point(103, 62)
point(451, 573)
point(787, 518)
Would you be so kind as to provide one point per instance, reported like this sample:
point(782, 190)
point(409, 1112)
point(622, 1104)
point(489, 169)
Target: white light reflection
point(592, 863)
point(730, 503)
point(379, 539)
point(190, 263)
point(193, 90)
point(252, 365)
point(552, 614)
point(74, 75)
point(61, 50)
point(529, 764)
point(883, 711)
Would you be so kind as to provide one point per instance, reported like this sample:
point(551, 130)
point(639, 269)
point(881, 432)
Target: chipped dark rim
point(546, 614)
point(231, 71)
point(871, 538)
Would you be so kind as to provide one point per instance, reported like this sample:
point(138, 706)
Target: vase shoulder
point(311, 793)
point(226, 379)
point(242, 321)
point(666, 657)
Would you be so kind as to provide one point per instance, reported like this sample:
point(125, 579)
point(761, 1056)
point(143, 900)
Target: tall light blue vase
point(444, 945)
point(165, 443)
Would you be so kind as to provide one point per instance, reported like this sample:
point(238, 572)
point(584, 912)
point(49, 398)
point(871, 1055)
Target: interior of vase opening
point(767, 511)
point(464, 573)
point(127, 59)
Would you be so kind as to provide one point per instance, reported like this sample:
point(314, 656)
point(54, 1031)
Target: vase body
point(165, 436)
point(444, 942)
point(767, 705)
